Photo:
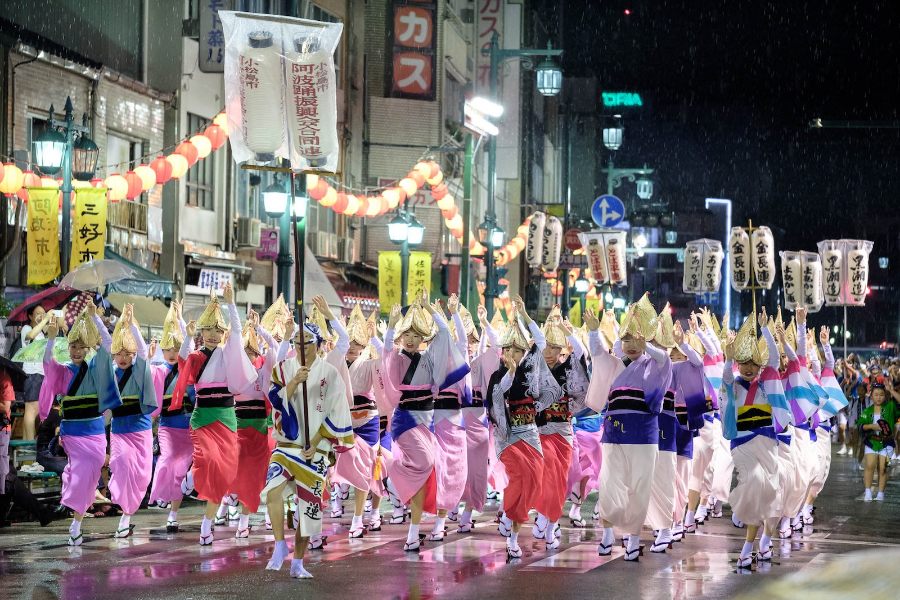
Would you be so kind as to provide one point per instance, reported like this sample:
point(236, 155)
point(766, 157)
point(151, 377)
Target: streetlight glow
point(644, 188)
point(275, 200)
point(415, 231)
point(549, 77)
point(640, 240)
point(398, 230)
point(486, 107)
point(613, 134)
point(49, 151)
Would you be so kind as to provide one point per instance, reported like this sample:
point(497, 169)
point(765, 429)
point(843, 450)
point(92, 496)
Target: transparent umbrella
point(96, 274)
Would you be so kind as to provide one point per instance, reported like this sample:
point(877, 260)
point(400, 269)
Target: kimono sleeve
point(336, 427)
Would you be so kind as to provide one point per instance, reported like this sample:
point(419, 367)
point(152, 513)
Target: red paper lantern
point(376, 206)
point(189, 151)
point(340, 205)
point(449, 213)
point(439, 191)
point(435, 169)
point(29, 180)
point(162, 168)
point(417, 177)
point(135, 185)
point(97, 182)
point(363, 206)
point(217, 136)
point(318, 192)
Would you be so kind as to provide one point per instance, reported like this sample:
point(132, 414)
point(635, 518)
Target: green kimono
point(876, 440)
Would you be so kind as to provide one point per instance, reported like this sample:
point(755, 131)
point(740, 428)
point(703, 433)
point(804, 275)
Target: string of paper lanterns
point(131, 184)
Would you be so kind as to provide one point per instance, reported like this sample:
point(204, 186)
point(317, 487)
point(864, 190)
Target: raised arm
point(774, 356)
point(657, 354)
point(139, 341)
point(462, 338)
point(105, 337)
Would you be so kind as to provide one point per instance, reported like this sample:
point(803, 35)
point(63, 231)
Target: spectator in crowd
point(876, 424)
point(39, 319)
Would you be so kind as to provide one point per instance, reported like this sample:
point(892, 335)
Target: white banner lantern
point(857, 271)
point(845, 271)
point(813, 298)
point(534, 246)
point(739, 257)
point(832, 254)
point(606, 255)
point(616, 258)
point(792, 279)
point(280, 89)
point(553, 236)
point(702, 266)
point(763, 257)
point(595, 250)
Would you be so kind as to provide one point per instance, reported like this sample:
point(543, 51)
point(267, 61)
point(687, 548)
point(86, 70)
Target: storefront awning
point(144, 283)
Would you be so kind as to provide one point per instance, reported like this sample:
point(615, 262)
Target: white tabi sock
point(689, 518)
point(206, 526)
point(466, 517)
point(747, 550)
point(124, 522)
point(609, 536)
point(173, 515)
point(551, 530)
point(439, 524)
point(634, 542)
point(223, 510)
point(785, 523)
point(244, 522)
point(357, 523)
point(413, 535)
point(765, 542)
point(513, 540)
point(665, 535)
point(75, 528)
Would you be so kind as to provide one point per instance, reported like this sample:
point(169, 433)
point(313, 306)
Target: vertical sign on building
point(212, 38)
point(490, 21)
point(89, 228)
point(414, 38)
point(43, 235)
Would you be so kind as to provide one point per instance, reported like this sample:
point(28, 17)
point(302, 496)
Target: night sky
point(732, 88)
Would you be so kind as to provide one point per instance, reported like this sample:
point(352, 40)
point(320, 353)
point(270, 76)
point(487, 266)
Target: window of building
point(200, 177)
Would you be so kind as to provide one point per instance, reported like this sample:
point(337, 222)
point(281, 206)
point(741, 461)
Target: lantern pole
point(284, 261)
point(467, 217)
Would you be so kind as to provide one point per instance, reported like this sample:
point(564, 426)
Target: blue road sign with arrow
point(608, 211)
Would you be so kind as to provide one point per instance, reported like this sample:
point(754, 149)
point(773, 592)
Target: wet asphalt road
point(35, 563)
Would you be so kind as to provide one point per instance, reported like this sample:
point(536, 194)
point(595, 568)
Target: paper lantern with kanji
point(135, 185)
point(29, 180)
point(202, 144)
point(117, 186)
point(217, 136)
point(162, 168)
point(179, 165)
point(147, 175)
point(189, 151)
point(12, 179)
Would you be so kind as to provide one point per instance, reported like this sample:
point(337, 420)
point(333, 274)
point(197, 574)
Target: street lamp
point(639, 240)
point(549, 83)
point(66, 146)
point(405, 230)
point(613, 133)
point(671, 236)
point(549, 76)
point(644, 188)
point(275, 203)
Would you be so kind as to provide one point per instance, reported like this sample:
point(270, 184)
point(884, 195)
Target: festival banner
point(390, 275)
point(43, 235)
point(281, 89)
point(389, 278)
point(89, 226)
point(419, 274)
point(606, 254)
point(845, 266)
point(702, 266)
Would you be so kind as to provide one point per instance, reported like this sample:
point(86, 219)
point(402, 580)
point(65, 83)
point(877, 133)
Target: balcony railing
point(128, 214)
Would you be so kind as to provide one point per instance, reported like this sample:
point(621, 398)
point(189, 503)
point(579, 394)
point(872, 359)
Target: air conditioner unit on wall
point(346, 251)
point(248, 232)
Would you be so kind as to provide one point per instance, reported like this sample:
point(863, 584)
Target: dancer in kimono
point(357, 466)
point(875, 425)
point(631, 428)
point(690, 406)
point(707, 445)
point(485, 361)
point(412, 378)
point(836, 401)
point(554, 424)
point(252, 408)
point(85, 390)
point(131, 435)
point(451, 461)
point(521, 388)
point(587, 454)
point(312, 422)
point(755, 412)
point(217, 372)
point(173, 431)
